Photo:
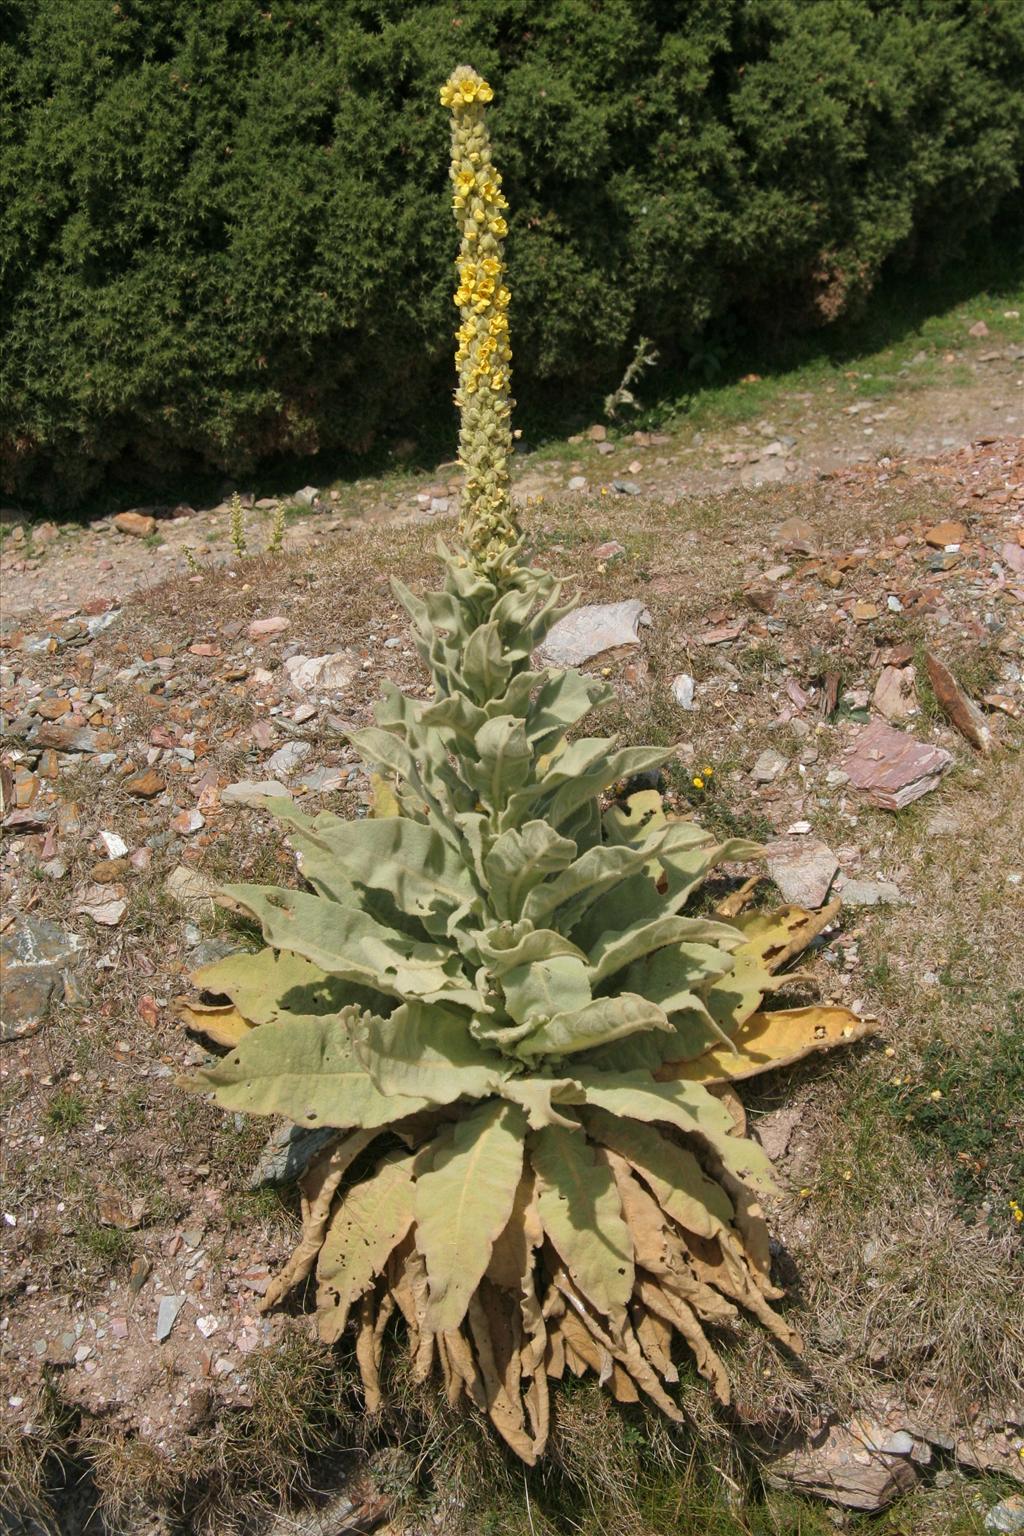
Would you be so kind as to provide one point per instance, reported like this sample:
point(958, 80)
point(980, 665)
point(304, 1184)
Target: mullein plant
point(496, 992)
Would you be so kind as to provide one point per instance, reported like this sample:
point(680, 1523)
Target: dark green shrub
point(224, 230)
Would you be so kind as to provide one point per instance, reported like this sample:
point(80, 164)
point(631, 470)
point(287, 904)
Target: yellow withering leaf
point(220, 1022)
point(770, 1040)
point(383, 800)
point(775, 937)
point(634, 819)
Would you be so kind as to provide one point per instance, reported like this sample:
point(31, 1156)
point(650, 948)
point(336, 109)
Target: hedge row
point(225, 229)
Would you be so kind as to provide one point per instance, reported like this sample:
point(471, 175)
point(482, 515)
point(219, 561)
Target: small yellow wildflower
point(936, 1093)
point(1016, 1212)
point(698, 782)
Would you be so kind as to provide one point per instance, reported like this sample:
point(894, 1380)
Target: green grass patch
point(968, 1106)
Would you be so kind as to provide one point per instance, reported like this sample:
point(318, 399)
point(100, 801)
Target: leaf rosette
point(501, 1000)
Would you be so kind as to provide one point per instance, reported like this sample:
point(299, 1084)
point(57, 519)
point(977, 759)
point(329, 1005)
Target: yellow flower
point(698, 783)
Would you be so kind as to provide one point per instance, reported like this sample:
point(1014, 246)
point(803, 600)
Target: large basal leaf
point(272, 983)
point(369, 1223)
point(348, 943)
point(769, 1040)
point(220, 1022)
point(689, 1107)
point(777, 936)
point(581, 1213)
point(306, 1070)
point(673, 1174)
point(428, 1052)
point(598, 1023)
point(734, 996)
point(465, 1185)
point(633, 820)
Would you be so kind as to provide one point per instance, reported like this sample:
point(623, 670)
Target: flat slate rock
point(593, 631)
point(288, 1152)
point(892, 768)
point(848, 1468)
point(803, 869)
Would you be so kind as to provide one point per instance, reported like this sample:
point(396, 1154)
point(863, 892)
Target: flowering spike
point(483, 357)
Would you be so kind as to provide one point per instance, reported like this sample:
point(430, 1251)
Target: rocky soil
point(828, 635)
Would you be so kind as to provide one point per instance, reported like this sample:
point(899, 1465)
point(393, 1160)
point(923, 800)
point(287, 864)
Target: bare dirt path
point(935, 401)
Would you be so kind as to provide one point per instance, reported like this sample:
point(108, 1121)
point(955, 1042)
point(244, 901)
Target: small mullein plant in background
point(495, 994)
point(236, 533)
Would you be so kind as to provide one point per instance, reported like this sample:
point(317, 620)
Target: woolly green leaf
point(351, 944)
point(463, 1199)
point(384, 750)
point(632, 1095)
point(684, 859)
point(546, 987)
point(616, 949)
point(582, 882)
point(617, 765)
point(672, 974)
point(508, 945)
point(519, 860)
point(676, 1179)
point(305, 1069)
point(580, 1212)
point(539, 1096)
point(485, 665)
point(504, 761)
point(404, 858)
point(369, 1223)
point(427, 1051)
point(560, 703)
point(598, 1023)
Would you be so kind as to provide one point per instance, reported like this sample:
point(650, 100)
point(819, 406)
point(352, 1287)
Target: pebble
point(260, 629)
point(683, 690)
point(168, 1309)
point(288, 757)
point(769, 766)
